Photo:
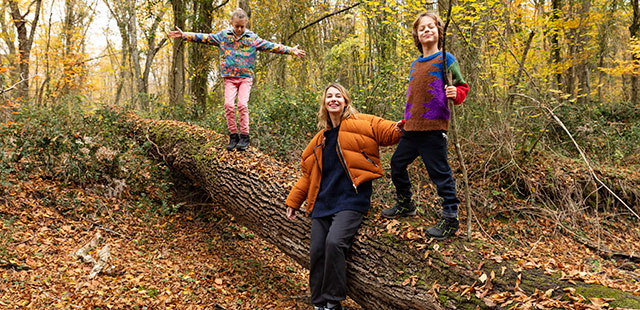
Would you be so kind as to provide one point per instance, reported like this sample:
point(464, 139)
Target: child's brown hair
point(439, 25)
point(239, 14)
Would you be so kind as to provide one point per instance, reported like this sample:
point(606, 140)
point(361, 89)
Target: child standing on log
point(338, 167)
point(238, 47)
point(427, 121)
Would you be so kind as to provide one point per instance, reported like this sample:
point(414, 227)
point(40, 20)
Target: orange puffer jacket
point(358, 148)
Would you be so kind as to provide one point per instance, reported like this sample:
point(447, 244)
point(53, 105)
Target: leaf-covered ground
point(64, 179)
point(195, 258)
point(199, 258)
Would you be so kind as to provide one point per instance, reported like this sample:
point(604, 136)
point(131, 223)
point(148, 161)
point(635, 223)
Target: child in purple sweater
point(238, 47)
point(427, 121)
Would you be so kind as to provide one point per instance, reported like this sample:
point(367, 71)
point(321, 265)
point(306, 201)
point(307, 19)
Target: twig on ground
point(56, 298)
point(157, 148)
point(9, 265)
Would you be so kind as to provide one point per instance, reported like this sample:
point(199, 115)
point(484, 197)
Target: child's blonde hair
point(439, 25)
point(239, 14)
point(324, 122)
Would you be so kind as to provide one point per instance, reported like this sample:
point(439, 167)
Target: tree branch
point(582, 154)
point(12, 86)
point(321, 19)
point(220, 5)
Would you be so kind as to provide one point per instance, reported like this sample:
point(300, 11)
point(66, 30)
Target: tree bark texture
point(384, 271)
point(556, 58)
point(25, 41)
point(200, 54)
point(176, 75)
point(633, 31)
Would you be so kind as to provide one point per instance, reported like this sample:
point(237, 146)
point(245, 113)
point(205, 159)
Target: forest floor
point(199, 258)
point(170, 248)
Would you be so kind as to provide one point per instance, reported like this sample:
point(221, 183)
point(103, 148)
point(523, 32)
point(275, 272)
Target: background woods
point(550, 130)
point(578, 57)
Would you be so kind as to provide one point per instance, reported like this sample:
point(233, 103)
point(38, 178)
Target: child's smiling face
point(239, 24)
point(428, 31)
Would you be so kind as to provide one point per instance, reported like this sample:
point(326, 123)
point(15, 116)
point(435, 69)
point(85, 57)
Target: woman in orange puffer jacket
point(338, 167)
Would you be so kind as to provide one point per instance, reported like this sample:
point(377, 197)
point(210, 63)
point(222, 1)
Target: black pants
point(432, 147)
point(331, 237)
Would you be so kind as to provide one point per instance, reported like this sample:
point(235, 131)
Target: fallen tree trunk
point(385, 271)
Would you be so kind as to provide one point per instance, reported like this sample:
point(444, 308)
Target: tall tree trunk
point(152, 50)
point(76, 21)
point(47, 75)
point(603, 43)
point(25, 41)
point(582, 68)
point(11, 56)
point(556, 58)
point(199, 55)
point(140, 95)
point(633, 31)
point(176, 75)
point(384, 272)
point(67, 32)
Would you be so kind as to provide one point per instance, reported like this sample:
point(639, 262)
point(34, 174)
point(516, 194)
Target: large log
point(384, 271)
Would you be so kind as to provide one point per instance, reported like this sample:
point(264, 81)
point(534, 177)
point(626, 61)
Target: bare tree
point(176, 75)
point(77, 17)
point(25, 38)
point(633, 31)
point(199, 55)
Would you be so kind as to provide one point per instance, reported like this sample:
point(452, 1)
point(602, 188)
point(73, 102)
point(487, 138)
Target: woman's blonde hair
point(324, 121)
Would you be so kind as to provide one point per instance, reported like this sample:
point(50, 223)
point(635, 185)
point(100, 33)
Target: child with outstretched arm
point(426, 123)
point(238, 47)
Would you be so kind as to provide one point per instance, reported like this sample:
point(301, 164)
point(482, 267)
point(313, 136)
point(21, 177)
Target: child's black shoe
point(243, 144)
point(447, 227)
point(233, 141)
point(404, 207)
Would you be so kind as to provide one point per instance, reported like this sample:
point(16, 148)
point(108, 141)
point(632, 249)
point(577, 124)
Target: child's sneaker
point(404, 207)
point(233, 141)
point(243, 144)
point(447, 227)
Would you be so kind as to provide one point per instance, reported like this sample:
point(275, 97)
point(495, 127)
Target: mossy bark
point(252, 187)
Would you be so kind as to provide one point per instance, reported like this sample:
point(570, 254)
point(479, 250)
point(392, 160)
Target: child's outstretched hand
point(452, 92)
point(298, 52)
point(177, 34)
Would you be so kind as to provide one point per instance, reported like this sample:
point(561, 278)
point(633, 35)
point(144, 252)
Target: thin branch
point(321, 19)
point(12, 86)
point(220, 5)
point(506, 45)
point(582, 154)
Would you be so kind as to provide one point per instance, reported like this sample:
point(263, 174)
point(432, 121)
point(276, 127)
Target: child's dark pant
point(432, 147)
point(331, 237)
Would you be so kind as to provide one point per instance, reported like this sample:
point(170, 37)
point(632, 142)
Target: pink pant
point(241, 87)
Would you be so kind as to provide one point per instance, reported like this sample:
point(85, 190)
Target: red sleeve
point(462, 91)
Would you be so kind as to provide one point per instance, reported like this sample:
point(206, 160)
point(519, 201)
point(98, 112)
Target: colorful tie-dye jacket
point(237, 53)
point(427, 107)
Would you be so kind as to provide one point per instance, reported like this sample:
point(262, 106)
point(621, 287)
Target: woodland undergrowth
point(70, 170)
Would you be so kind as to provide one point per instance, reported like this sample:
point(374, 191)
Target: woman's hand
point(291, 213)
point(177, 34)
point(451, 91)
point(400, 125)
